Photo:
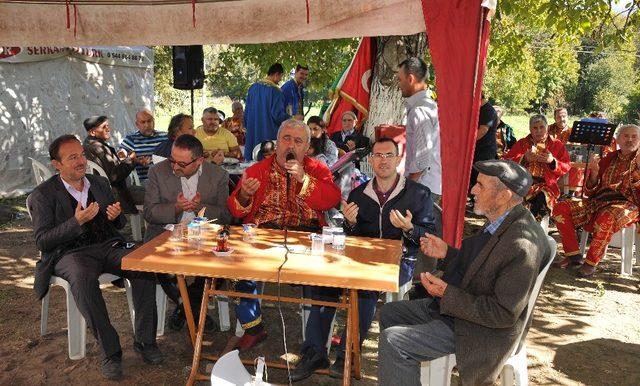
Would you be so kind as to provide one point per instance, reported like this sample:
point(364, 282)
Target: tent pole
point(192, 102)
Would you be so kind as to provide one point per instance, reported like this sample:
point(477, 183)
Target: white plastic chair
point(41, 173)
point(438, 371)
point(628, 236)
point(229, 371)
point(396, 296)
point(544, 223)
point(136, 219)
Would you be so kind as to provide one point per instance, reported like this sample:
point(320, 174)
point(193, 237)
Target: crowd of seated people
point(289, 185)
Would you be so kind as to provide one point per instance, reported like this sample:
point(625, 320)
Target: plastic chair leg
point(223, 313)
point(628, 236)
point(161, 304)
point(136, 226)
point(583, 242)
point(438, 371)
point(44, 313)
point(132, 311)
point(76, 327)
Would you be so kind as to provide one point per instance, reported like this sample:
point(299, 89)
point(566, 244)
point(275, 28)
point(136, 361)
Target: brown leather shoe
point(569, 262)
point(248, 341)
point(587, 270)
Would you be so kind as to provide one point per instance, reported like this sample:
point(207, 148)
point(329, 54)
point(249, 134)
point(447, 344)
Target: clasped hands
point(87, 214)
point(185, 205)
point(542, 156)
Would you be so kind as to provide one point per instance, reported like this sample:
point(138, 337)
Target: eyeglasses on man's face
point(181, 164)
point(383, 155)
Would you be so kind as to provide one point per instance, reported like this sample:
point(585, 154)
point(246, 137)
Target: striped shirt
point(143, 146)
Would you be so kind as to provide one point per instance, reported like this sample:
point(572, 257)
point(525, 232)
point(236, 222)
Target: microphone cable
point(290, 156)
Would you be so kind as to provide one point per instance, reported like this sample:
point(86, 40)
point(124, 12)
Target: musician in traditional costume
point(613, 194)
point(287, 189)
point(547, 159)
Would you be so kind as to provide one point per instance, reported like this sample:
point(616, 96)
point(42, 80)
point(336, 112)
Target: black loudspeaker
point(188, 67)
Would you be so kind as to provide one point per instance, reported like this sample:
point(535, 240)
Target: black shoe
point(112, 367)
point(177, 319)
point(337, 368)
point(210, 325)
point(151, 354)
point(310, 362)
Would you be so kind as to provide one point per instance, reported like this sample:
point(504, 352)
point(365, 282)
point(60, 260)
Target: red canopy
point(458, 32)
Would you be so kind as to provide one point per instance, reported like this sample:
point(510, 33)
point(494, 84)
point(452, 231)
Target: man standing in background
point(265, 110)
point(486, 145)
point(293, 91)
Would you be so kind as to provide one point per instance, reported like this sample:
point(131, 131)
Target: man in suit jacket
point(75, 222)
point(177, 189)
point(478, 307)
point(348, 138)
point(99, 151)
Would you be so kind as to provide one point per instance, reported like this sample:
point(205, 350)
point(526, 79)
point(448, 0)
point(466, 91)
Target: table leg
point(195, 364)
point(346, 378)
point(182, 286)
point(355, 321)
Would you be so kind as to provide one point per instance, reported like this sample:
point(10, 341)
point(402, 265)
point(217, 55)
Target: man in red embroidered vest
point(613, 190)
point(287, 189)
point(546, 159)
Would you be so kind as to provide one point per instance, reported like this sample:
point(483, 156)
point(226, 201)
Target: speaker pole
point(192, 102)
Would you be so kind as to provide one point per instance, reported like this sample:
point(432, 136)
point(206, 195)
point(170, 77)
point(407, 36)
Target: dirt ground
point(585, 331)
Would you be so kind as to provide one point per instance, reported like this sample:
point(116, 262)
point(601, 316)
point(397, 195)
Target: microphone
point(290, 157)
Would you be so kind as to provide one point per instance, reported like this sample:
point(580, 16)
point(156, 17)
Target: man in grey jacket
point(478, 307)
point(177, 189)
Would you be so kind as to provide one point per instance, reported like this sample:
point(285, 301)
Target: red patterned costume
point(612, 204)
point(269, 205)
point(545, 178)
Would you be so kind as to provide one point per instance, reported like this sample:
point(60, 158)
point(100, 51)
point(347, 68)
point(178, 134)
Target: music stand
point(591, 133)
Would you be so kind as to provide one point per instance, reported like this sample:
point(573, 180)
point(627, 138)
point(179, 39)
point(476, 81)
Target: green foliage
point(558, 70)
point(514, 84)
point(241, 65)
point(606, 84)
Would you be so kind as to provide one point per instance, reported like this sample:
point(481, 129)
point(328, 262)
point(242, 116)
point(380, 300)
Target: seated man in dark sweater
point(75, 222)
point(389, 206)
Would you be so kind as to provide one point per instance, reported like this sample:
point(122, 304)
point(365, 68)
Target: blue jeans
point(319, 323)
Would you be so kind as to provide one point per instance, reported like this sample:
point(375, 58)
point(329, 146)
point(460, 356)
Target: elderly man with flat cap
point(477, 308)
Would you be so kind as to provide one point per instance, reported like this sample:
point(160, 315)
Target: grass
point(520, 123)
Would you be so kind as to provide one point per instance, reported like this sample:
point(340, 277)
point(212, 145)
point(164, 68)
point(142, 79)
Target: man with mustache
point(613, 193)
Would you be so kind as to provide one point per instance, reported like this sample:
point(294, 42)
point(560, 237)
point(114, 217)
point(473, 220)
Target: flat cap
point(94, 121)
point(513, 175)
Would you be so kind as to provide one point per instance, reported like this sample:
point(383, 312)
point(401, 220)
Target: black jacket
point(373, 221)
point(360, 140)
point(55, 225)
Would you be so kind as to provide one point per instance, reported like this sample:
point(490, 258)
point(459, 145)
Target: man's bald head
point(145, 122)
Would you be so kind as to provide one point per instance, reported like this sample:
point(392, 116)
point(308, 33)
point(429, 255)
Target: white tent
point(49, 91)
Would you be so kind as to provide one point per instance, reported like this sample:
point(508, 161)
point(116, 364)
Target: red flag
point(351, 93)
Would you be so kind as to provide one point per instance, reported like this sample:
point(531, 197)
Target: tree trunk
point(386, 103)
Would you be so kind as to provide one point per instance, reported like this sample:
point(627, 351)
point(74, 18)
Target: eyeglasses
point(383, 155)
point(182, 164)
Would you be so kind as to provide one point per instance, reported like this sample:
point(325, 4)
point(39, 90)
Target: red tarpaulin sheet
point(458, 34)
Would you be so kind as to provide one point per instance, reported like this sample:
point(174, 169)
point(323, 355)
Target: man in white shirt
point(423, 130)
point(423, 163)
point(178, 188)
point(75, 223)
